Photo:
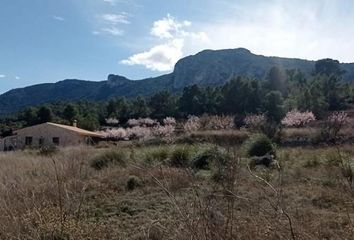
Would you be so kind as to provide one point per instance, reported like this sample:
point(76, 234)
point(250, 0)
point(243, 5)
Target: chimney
point(74, 123)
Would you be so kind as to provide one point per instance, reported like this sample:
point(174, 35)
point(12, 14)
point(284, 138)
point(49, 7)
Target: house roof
point(72, 129)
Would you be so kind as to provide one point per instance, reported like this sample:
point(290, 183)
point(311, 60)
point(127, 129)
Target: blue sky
point(50, 40)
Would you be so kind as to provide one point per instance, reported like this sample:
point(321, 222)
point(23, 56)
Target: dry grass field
point(158, 192)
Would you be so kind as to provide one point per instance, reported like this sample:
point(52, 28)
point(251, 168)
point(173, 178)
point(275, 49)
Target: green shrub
point(133, 182)
point(220, 164)
point(259, 145)
point(204, 159)
point(160, 155)
point(109, 158)
point(180, 157)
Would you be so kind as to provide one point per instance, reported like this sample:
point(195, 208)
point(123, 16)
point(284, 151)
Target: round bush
point(204, 159)
point(157, 155)
point(133, 182)
point(108, 158)
point(180, 157)
point(259, 145)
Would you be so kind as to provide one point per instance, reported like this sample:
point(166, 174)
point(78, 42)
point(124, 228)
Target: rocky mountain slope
point(207, 68)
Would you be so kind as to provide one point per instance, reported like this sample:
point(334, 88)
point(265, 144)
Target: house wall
point(47, 132)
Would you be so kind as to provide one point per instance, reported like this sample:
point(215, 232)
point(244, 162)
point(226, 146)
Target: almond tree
point(255, 121)
point(296, 118)
point(333, 124)
point(192, 124)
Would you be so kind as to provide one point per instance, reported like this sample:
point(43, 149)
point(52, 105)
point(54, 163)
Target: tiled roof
point(74, 129)
point(77, 130)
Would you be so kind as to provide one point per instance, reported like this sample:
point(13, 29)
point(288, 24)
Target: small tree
point(255, 122)
point(192, 124)
point(162, 104)
point(30, 116)
point(111, 121)
point(333, 124)
point(139, 133)
point(296, 118)
point(88, 122)
point(115, 133)
point(165, 131)
point(169, 121)
point(44, 114)
point(274, 106)
point(216, 122)
point(140, 107)
point(70, 112)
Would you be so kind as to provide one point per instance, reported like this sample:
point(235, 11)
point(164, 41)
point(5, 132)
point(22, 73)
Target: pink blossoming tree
point(255, 122)
point(192, 124)
point(334, 124)
point(296, 118)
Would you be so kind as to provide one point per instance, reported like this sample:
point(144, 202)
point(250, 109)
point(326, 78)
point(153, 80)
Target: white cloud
point(15, 77)
point(113, 31)
point(168, 27)
point(159, 58)
point(163, 56)
point(115, 18)
point(111, 2)
point(127, 2)
point(109, 24)
point(58, 18)
point(109, 30)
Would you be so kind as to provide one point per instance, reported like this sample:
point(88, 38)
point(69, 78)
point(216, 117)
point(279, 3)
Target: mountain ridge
point(206, 68)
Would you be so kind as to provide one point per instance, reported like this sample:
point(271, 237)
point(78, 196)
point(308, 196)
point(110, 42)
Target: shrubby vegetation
point(133, 183)
point(333, 124)
point(259, 145)
point(132, 190)
point(181, 156)
point(108, 158)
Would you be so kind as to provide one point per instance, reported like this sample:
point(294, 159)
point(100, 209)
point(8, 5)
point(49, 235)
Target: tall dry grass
point(62, 197)
point(41, 197)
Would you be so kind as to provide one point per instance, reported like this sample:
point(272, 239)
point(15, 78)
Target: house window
point(56, 140)
point(28, 141)
point(41, 141)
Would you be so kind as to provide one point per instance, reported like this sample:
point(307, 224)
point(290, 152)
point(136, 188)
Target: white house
point(48, 134)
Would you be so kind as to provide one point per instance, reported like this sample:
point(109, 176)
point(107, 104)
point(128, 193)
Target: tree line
point(280, 91)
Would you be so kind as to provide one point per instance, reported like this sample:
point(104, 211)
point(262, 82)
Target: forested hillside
point(278, 92)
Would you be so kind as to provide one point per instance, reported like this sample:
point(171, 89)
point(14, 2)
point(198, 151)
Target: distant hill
point(207, 68)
